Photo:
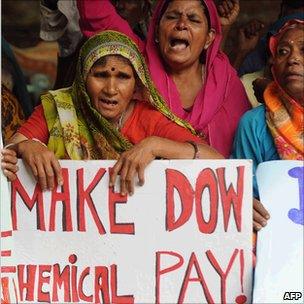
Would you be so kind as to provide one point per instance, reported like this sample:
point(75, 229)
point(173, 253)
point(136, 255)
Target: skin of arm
point(228, 11)
point(45, 166)
point(134, 161)
point(248, 37)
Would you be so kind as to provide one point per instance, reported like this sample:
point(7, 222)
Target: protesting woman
point(183, 52)
point(276, 130)
point(112, 111)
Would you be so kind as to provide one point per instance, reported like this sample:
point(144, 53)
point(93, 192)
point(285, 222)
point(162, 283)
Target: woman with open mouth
point(183, 53)
point(112, 111)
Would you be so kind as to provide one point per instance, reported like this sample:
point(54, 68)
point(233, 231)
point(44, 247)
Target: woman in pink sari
point(189, 70)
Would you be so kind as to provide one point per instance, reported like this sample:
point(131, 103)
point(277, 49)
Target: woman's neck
point(119, 123)
point(184, 79)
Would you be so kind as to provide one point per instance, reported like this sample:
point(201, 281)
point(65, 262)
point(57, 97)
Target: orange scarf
point(284, 117)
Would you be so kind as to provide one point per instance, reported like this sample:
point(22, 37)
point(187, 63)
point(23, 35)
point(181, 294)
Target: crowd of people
point(138, 80)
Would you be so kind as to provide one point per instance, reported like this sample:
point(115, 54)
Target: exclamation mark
point(241, 299)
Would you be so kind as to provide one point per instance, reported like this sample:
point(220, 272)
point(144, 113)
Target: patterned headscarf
point(284, 115)
point(75, 126)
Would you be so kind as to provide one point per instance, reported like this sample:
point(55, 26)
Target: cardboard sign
point(279, 269)
point(184, 237)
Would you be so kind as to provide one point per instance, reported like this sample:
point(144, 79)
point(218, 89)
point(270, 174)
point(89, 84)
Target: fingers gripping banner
point(184, 237)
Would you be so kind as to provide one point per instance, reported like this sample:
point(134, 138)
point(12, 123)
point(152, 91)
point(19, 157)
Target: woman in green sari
point(112, 111)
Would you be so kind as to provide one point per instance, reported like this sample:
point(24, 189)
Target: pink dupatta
point(222, 100)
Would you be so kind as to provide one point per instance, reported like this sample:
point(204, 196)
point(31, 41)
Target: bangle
point(195, 146)
point(36, 139)
point(9, 145)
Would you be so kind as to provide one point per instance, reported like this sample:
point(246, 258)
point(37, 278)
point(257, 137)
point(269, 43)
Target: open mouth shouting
point(178, 44)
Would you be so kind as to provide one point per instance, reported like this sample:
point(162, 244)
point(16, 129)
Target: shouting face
point(183, 33)
point(110, 86)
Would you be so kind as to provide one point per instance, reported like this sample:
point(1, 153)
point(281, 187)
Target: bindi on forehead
point(112, 69)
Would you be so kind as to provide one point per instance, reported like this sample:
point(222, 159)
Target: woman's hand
point(228, 11)
point(43, 163)
point(131, 163)
point(135, 161)
point(9, 164)
point(260, 215)
point(249, 35)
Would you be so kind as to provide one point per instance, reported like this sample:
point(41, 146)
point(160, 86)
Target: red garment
point(222, 99)
point(145, 121)
point(36, 126)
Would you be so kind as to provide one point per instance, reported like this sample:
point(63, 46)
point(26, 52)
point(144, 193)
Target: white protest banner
point(184, 237)
point(279, 269)
point(7, 276)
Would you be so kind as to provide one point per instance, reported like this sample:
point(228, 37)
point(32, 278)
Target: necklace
point(123, 115)
point(119, 124)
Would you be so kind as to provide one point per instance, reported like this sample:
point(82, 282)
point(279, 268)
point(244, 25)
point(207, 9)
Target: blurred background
point(38, 59)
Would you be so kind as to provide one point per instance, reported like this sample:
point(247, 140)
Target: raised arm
point(248, 37)
point(228, 11)
point(96, 16)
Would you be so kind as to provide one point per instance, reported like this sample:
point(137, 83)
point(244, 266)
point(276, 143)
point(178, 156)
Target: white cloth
point(61, 25)
point(247, 80)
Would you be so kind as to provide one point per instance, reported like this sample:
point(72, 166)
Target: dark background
point(21, 22)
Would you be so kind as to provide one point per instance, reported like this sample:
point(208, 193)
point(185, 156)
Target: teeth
point(109, 102)
point(179, 44)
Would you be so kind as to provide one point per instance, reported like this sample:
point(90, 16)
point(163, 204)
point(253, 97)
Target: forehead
point(113, 61)
point(292, 35)
point(193, 6)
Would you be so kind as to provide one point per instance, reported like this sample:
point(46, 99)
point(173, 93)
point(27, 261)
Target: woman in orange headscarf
point(275, 130)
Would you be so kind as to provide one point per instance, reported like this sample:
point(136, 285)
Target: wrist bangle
point(36, 139)
point(196, 149)
point(9, 145)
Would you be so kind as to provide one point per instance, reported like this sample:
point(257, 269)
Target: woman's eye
point(195, 20)
point(99, 74)
point(124, 76)
point(170, 17)
point(282, 51)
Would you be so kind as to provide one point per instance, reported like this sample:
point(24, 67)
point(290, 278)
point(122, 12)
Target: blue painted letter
point(297, 215)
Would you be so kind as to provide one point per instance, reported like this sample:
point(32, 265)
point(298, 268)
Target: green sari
point(77, 130)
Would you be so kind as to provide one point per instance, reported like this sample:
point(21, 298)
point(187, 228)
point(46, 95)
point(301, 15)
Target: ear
point(210, 38)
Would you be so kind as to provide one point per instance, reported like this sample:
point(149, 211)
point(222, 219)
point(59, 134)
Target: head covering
point(274, 39)
point(75, 125)
point(257, 59)
point(284, 115)
point(222, 99)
